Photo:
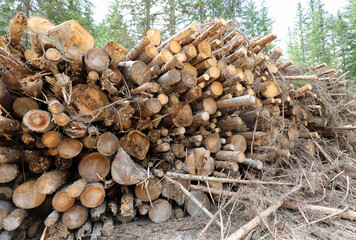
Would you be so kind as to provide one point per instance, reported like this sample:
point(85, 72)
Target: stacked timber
point(88, 135)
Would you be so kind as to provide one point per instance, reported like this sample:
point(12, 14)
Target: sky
point(283, 13)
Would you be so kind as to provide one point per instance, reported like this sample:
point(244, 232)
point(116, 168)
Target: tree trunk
point(26, 196)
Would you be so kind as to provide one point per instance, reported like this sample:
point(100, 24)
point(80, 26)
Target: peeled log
point(150, 190)
point(75, 217)
point(125, 171)
point(136, 144)
point(136, 71)
point(94, 167)
point(26, 196)
point(199, 162)
point(160, 211)
point(93, 195)
point(237, 101)
point(107, 144)
point(49, 182)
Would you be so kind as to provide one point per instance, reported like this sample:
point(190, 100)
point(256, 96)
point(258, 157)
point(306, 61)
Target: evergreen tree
point(350, 45)
point(250, 21)
point(113, 28)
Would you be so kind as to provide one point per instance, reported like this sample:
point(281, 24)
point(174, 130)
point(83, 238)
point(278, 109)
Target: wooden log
point(93, 195)
point(149, 86)
point(160, 211)
point(22, 105)
point(107, 144)
point(185, 33)
point(5, 209)
point(72, 33)
point(163, 57)
point(257, 164)
point(10, 155)
point(192, 208)
point(94, 167)
point(49, 182)
point(98, 212)
point(52, 218)
point(148, 54)
point(8, 172)
point(136, 144)
point(169, 78)
point(150, 190)
point(37, 120)
point(245, 100)
point(235, 156)
point(76, 188)
point(61, 201)
point(276, 53)
point(154, 36)
point(116, 52)
point(125, 171)
point(75, 217)
point(199, 162)
point(136, 71)
point(7, 124)
point(300, 91)
point(135, 51)
point(229, 124)
point(51, 139)
point(212, 143)
point(69, 148)
point(84, 231)
point(108, 226)
point(14, 219)
point(227, 165)
point(26, 196)
point(36, 162)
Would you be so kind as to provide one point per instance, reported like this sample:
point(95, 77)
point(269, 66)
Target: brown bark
point(135, 52)
point(169, 78)
point(237, 101)
point(76, 188)
point(163, 57)
point(94, 167)
point(9, 155)
point(116, 52)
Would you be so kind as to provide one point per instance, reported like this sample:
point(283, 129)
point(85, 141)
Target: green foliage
point(319, 37)
point(113, 28)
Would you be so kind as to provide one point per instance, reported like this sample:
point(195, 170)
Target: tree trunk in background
point(148, 14)
point(172, 16)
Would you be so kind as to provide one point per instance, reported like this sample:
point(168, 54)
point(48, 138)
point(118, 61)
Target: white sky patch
point(283, 13)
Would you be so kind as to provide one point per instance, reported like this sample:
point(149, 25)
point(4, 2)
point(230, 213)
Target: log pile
point(88, 134)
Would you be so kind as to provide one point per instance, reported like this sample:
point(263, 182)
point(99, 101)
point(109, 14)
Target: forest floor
point(323, 184)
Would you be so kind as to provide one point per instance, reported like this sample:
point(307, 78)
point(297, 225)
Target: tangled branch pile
point(91, 134)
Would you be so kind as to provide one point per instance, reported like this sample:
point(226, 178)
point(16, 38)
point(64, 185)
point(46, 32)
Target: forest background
point(316, 36)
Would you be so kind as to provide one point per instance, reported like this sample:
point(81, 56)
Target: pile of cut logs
point(91, 136)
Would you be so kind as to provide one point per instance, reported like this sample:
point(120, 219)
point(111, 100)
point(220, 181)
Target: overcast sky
point(282, 11)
